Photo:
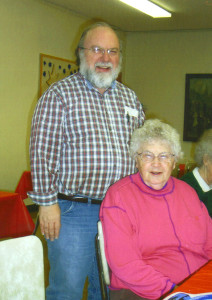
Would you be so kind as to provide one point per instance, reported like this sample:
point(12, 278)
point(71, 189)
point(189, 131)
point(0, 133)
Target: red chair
point(181, 170)
point(24, 185)
point(15, 219)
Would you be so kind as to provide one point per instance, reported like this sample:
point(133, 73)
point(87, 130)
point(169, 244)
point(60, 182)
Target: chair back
point(24, 185)
point(22, 269)
point(15, 219)
point(104, 273)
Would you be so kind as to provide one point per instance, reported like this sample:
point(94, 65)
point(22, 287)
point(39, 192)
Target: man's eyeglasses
point(147, 156)
point(101, 51)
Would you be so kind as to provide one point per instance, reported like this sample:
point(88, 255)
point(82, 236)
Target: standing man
point(79, 146)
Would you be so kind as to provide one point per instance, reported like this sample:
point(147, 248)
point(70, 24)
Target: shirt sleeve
point(124, 257)
point(45, 148)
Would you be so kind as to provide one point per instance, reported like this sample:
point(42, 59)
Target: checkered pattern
point(80, 139)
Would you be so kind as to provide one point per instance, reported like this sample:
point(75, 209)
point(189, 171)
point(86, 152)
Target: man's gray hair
point(203, 147)
point(156, 130)
point(84, 34)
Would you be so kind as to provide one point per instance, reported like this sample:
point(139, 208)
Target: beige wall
point(156, 68)
point(156, 65)
point(27, 28)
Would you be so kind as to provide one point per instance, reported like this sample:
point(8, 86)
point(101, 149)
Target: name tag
point(131, 112)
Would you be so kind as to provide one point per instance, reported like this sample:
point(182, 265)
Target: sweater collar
point(167, 189)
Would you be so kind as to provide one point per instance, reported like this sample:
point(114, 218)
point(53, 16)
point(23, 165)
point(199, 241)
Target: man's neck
point(203, 173)
point(101, 90)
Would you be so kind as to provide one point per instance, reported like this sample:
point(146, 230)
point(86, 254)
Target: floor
point(46, 262)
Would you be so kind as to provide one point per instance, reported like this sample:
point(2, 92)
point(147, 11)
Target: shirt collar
point(90, 86)
point(205, 187)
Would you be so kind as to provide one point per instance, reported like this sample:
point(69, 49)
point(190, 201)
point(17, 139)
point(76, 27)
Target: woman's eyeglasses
point(147, 156)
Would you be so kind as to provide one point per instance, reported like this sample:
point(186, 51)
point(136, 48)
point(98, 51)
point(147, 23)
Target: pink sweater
point(154, 239)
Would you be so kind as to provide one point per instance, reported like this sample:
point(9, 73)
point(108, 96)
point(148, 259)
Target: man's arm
point(45, 149)
point(45, 152)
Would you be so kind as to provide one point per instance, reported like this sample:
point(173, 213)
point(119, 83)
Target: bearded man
point(79, 146)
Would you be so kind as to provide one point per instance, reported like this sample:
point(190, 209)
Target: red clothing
point(154, 238)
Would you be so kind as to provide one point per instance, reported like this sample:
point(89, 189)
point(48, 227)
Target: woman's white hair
point(156, 130)
point(203, 147)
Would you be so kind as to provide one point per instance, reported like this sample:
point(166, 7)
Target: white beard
point(99, 80)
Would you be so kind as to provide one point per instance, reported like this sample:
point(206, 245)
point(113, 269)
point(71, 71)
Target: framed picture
point(53, 69)
point(198, 106)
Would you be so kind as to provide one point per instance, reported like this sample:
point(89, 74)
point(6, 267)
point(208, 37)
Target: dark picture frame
point(198, 106)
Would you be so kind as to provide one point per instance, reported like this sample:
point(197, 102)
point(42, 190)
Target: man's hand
point(49, 217)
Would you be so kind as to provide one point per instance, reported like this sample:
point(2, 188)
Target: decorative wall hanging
point(53, 69)
point(198, 106)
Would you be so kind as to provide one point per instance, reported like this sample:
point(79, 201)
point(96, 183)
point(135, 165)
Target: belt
point(78, 199)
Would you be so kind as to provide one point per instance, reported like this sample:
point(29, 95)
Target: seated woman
point(157, 232)
point(201, 177)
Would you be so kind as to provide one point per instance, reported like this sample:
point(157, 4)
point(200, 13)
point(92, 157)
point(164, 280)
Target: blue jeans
point(72, 257)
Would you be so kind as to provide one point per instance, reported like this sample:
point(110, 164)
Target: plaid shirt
point(80, 139)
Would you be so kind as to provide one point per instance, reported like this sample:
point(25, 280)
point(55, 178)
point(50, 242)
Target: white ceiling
point(186, 14)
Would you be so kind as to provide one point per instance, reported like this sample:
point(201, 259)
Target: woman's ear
point(205, 159)
point(174, 164)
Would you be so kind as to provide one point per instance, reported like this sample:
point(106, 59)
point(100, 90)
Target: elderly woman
point(157, 231)
point(201, 177)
